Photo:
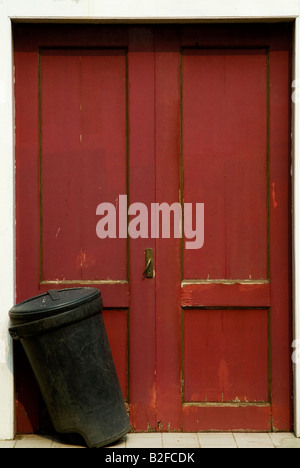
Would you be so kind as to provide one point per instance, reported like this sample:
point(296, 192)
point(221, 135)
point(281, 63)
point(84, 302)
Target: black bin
point(64, 337)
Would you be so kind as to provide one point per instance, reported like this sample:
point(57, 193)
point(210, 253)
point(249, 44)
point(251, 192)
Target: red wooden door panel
point(76, 147)
point(188, 113)
point(230, 112)
point(231, 363)
point(231, 151)
point(224, 119)
point(83, 95)
point(224, 139)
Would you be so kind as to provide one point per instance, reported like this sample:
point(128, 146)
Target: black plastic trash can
point(64, 337)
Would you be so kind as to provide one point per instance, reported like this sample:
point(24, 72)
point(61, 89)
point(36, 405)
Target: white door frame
point(124, 11)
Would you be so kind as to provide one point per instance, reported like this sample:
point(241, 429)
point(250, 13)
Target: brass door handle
point(148, 272)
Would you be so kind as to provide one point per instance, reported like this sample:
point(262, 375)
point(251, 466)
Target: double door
point(195, 116)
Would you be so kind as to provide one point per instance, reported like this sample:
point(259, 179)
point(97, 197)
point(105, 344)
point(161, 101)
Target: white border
point(113, 10)
point(296, 224)
point(7, 278)
point(154, 9)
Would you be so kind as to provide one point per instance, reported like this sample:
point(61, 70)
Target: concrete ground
point(169, 441)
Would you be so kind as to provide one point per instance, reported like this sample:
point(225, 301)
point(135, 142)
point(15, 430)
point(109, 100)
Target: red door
point(165, 114)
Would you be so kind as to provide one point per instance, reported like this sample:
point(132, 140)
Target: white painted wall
point(94, 10)
point(296, 221)
point(6, 226)
point(153, 8)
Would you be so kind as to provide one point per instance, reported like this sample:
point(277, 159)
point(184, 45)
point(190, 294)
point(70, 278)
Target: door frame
point(16, 10)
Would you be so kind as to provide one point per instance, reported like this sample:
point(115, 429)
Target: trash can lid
point(52, 303)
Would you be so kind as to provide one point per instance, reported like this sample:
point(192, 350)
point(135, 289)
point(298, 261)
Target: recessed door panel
point(225, 160)
point(83, 115)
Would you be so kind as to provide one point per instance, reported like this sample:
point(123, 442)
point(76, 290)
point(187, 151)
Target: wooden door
point(232, 333)
point(165, 114)
point(79, 144)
